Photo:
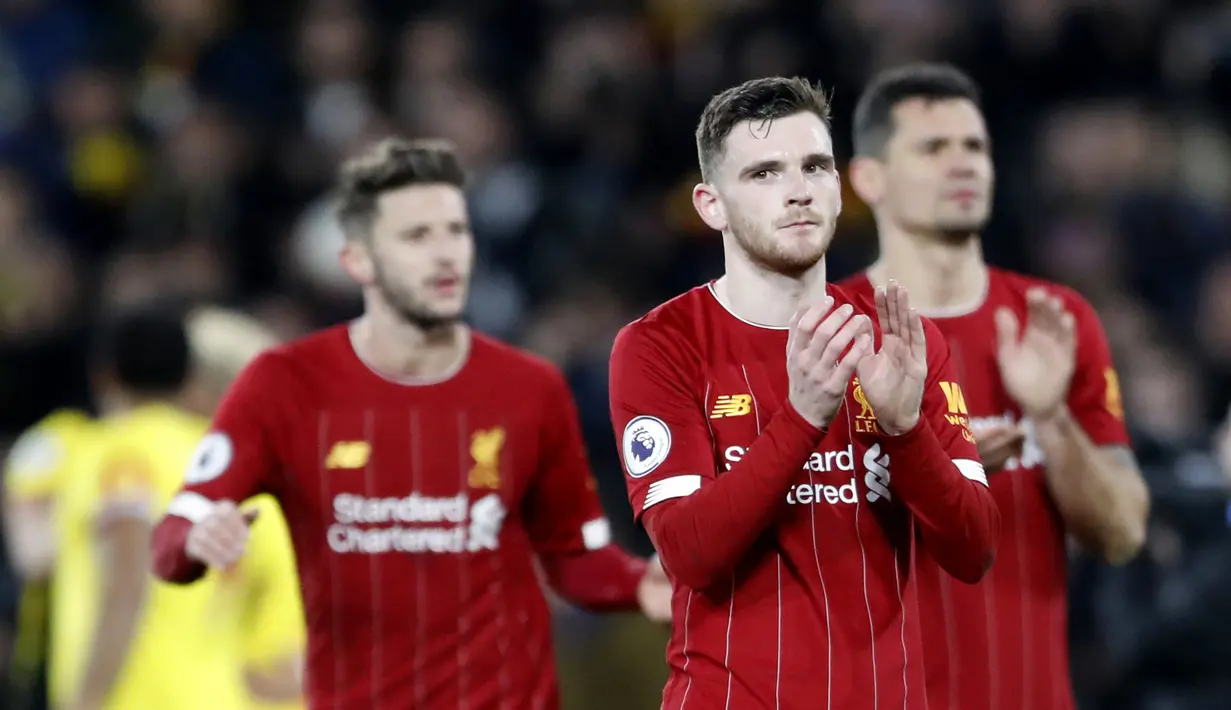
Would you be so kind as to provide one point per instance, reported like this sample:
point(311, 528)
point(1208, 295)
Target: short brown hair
point(931, 81)
point(388, 165)
point(758, 100)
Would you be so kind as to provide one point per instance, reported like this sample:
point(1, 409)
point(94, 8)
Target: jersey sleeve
point(944, 406)
point(125, 483)
point(236, 458)
point(659, 418)
point(1094, 394)
point(35, 464)
point(275, 628)
point(562, 512)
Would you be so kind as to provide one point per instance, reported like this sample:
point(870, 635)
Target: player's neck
point(764, 297)
point(942, 276)
point(400, 350)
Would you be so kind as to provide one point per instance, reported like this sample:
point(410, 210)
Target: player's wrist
point(1054, 414)
point(906, 426)
point(804, 423)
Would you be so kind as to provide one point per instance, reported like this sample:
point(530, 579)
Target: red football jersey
point(416, 509)
point(822, 612)
point(1003, 644)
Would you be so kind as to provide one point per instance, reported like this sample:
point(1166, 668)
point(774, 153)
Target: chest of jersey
point(412, 477)
point(847, 472)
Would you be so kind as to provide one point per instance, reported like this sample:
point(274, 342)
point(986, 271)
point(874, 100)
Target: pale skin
point(931, 194)
point(417, 256)
point(774, 195)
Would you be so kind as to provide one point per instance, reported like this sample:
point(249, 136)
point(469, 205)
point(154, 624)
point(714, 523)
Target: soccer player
point(1036, 379)
point(119, 641)
point(423, 468)
point(786, 444)
point(34, 472)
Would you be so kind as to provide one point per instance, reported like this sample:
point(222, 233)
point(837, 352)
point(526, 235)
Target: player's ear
point(709, 206)
point(356, 260)
point(868, 179)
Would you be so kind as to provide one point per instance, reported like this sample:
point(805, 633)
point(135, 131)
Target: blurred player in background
point(1039, 386)
point(785, 465)
point(34, 472)
point(423, 469)
point(120, 641)
point(264, 584)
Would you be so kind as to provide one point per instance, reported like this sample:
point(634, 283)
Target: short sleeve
point(125, 483)
point(37, 461)
point(1094, 394)
point(659, 418)
point(235, 459)
point(275, 628)
point(944, 406)
point(562, 510)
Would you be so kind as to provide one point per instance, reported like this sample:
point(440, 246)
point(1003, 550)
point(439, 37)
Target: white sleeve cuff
point(668, 488)
point(971, 469)
point(193, 507)
point(596, 534)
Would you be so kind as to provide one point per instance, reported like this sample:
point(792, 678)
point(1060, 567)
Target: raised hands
point(892, 378)
point(823, 348)
point(1037, 362)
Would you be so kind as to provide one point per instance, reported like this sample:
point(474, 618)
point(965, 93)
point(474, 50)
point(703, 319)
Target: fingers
point(842, 340)
point(804, 323)
point(219, 540)
point(820, 338)
point(882, 309)
point(845, 368)
point(918, 340)
point(1047, 312)
point(1007, 328)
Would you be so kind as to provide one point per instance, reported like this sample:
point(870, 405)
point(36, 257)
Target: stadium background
point(182, 148)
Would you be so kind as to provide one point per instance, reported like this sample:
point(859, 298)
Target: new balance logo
point(348, 454)
point(732, 405)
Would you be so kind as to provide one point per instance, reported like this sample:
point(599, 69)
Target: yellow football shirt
point(274, 629)
point(33, 471)
point(189, 648)
point(39, 458)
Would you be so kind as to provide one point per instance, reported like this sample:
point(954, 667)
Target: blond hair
point(224, 342)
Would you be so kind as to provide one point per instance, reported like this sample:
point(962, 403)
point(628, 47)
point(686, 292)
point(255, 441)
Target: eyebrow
point(774, 164)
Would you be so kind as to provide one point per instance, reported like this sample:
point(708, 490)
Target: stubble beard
point(761, 247)
point(409, 309)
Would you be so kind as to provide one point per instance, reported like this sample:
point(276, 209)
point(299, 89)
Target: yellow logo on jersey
point(348, 454)
point(1115, 402)
point(485, 446)
point(865, 420)
point(732, 405)
point(957, 415)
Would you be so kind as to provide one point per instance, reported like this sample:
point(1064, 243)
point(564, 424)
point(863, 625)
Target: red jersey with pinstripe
point(1003, 644)
point(416, 511)
point(821, 614)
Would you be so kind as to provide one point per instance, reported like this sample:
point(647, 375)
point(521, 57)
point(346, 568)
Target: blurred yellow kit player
point(33, 474)
point(121, 640)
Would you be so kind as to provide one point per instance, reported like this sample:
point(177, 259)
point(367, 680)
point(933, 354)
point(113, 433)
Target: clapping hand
point(1037, 362)
point(892, 378)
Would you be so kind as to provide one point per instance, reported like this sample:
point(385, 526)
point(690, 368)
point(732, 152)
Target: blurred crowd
point(184, 149)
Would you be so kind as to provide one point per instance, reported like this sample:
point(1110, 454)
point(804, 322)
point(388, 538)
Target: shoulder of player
point(860, 299)
point(297, 359)
point(514, 364)
point(1018, 284)
point(669, 330)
